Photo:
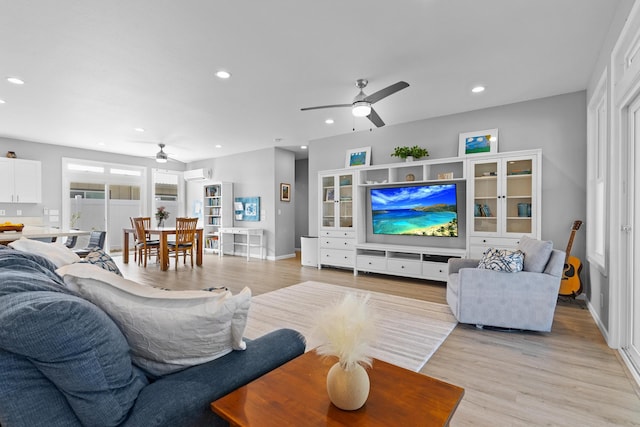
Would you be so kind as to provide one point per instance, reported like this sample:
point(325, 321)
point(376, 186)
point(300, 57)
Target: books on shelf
point(482, 210)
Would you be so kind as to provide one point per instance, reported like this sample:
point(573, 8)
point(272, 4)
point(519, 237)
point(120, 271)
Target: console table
point(253, 239)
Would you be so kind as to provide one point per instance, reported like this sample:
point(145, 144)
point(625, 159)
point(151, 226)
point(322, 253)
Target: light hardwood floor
point(568, 377)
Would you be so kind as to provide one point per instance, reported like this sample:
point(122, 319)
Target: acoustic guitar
point(570, 285)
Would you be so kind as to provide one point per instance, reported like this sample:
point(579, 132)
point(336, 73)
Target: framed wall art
point(478, 142)
point(285, 192)
point(358, 157)
point(247, 208)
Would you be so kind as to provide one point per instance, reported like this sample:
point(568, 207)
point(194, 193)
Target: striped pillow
point(502, 260)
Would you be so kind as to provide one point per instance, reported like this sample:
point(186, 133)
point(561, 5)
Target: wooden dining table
point(163, 233)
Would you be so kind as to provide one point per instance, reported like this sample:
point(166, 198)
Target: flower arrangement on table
point(161, 215)
point(347, 330)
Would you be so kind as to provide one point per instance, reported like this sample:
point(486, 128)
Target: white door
point(632, 340)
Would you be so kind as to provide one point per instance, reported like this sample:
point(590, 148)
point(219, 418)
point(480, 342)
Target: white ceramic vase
point(409, 159)
point(348, 389)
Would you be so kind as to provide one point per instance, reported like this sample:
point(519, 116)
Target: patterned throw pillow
point(102, 259)
point(502, 260)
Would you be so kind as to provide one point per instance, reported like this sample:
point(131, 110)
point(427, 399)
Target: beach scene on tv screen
point(415, 210)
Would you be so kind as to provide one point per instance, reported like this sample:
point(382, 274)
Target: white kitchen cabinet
point(22, 181)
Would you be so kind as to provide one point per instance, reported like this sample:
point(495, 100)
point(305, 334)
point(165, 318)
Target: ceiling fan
point(361, 105)
point(161, 156)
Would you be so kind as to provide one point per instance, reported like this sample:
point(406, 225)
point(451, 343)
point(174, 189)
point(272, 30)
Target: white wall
point(598, 292)
point(254, 174)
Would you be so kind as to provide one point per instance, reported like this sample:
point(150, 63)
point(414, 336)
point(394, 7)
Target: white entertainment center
point(498, 201)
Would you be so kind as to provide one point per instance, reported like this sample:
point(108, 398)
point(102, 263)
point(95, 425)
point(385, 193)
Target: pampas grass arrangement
point(347, 330)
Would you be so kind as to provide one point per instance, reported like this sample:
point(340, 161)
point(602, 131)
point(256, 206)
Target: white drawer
point(336, 243)
point(378, 263)
point(404, 266)
point(494, 242)
point(336, 257)
point(435, 270)
point(337, 233)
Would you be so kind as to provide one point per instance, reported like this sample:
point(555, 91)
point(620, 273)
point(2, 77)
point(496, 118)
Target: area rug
point(409, 330)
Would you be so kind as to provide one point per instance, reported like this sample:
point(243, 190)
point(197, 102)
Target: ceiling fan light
point(361, 109)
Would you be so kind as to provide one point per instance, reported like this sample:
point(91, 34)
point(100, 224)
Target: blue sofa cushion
point(198, 386)
point(24, 272)
point(77, 347)
point(19, 377)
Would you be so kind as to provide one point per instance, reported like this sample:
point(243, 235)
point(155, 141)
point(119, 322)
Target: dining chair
point(96, 241)
point(71, 242)
point(144, 245)
point(185, 239)
point(136, 239)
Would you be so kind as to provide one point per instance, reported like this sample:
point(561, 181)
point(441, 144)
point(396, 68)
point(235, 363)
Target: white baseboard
point(596, 318)
point(287, 256)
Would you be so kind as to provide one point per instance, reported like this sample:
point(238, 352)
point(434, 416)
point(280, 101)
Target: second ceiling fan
point(361, 105)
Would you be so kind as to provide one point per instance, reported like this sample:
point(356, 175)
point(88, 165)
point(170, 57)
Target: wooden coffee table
point(295, 394)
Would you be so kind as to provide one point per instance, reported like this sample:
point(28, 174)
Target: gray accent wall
point(301, 200)
point(555, 124)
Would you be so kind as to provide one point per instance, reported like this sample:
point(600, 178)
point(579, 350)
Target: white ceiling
point(96, 69)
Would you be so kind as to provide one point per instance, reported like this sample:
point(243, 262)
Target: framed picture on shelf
point(285, 192)
point(358, 157)
point(478, 142)
point(329, 195)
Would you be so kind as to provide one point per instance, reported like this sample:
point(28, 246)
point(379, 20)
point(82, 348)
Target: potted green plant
point(410, 153)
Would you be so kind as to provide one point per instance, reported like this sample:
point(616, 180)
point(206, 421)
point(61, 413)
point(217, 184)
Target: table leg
point(125, 251)
point(199, 246)
point(164, 252)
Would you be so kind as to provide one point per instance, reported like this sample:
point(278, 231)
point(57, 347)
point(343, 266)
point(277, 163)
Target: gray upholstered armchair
point(523, 300)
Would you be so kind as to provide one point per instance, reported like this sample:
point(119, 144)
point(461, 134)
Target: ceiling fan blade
point(383, 93)
point(325, 106)
point(375, 118)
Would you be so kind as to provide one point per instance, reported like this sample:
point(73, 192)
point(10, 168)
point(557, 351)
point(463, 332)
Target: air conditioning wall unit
point(197, 174)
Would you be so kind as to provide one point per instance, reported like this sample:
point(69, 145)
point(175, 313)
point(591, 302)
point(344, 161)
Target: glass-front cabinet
point(337, 201)
point(337, 234)
point(504, 200)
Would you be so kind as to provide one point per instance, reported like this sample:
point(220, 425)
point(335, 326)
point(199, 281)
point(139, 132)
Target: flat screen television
point(415, 210)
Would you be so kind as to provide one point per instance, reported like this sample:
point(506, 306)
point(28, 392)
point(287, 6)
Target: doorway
point(102, 197)
point(631, 339)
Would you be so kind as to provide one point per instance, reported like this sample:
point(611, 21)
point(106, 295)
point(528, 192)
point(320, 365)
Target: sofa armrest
point(183, 398)
point(455, 264)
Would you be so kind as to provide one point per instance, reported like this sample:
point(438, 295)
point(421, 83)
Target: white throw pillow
point(56, 252)
point(166, 330)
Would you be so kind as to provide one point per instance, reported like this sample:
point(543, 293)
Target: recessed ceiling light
point(101, 143)
point(218, 146)
point(222, 74)
point(2, 101)
point(478, 89)
point(329, 121)
point(139, 129)
point(15, 80)
point(304, 147)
